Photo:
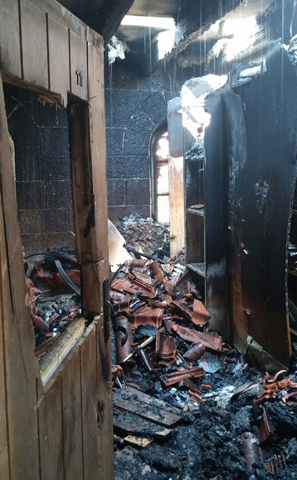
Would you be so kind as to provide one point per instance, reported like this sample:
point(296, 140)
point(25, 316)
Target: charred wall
point(43, 170)
point(135, 106)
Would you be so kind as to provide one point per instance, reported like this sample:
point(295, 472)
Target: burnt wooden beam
point(107, 20)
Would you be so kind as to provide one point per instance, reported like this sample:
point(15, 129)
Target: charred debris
point(186, 404)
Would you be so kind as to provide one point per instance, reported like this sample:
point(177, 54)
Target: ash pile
point(53, 294)
point(187, 405)
point(145, 234)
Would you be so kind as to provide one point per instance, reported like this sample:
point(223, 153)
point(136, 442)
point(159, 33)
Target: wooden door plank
point(10, 45)
point(50, 432)
point(133, 393)
point(98, 147)
point(4, 458)
point(127, 423)
point(127, 399)
point(58, 49)
point(78, 64)
point(34, 44)
point(18, 329)
point(72, 418)
point(105, 421)
point(89, 390)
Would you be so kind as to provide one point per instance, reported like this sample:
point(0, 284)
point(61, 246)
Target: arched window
point(160, 183)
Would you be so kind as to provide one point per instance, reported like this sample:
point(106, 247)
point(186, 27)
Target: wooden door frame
point(23, 405)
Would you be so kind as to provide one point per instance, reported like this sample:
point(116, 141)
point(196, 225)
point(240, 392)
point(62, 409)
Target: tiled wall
point(134, 107)
point(43, 170)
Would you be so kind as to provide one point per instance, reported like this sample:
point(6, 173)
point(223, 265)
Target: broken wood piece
point(134, 401)
point(265, 429)
point(211, 340)
point(50, 362)
point(137, 442)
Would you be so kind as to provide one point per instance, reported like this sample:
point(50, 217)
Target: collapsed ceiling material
point(174, 377)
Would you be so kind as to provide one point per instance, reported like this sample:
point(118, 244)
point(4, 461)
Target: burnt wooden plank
point(83, 199)
point(98, 148)
point(34, 44)
point(4, 458)
point(58, 49)
point(126, 423)
point(126, 399)
point(72, 418)
point(78, 66)
point(267, 199)
point(50, 432)
point(148, 400)
point(104, 407)
point(18, 329)
point(89, 395)
point(10, 45)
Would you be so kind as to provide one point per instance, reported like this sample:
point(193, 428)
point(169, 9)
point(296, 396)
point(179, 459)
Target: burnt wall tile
point(128, 166)
point(140, 122)
point(138, 192)
point(116, 192)
point(136, 143)
point(124, 104)
point(118, 212)
point(21, 168)
point(34, 243)
point(55, 142)
point(45, 115)
point(25, 221)
point(57, 194)
point(56, 220)
point(155, 107)
point(115, 141)
point(60, 239)
point(54, 168)
point(30, 195)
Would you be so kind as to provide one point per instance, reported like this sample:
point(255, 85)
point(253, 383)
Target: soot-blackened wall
point(135, 106)
point(43, 170)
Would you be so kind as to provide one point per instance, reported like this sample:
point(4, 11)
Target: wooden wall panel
point(10, 37)
point(98, 147)
point(58, 49)
point(72, 418)
point(18, 329)
point(50, 433)
point(78, 63)
point(4, 291)
point(34, 44)
point(89, 390)
point(98, 156)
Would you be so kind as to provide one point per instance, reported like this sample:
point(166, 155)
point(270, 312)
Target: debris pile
point(144, 234)
point(53, 294)
point(186, 405)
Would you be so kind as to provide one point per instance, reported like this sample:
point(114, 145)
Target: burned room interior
point(148, 239)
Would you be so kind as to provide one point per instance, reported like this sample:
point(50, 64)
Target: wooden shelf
point(294, 212)
point(293, 331)
point(293, 272)
point(197, 268)
point(196, 211)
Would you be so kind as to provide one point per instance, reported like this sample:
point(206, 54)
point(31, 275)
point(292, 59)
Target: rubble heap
point(53, 293)
point(186, 405)
point(144, 233)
